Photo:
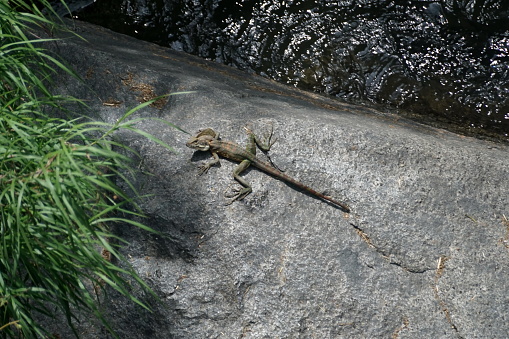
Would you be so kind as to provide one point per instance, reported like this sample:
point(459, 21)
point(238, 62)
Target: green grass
point(58, 192)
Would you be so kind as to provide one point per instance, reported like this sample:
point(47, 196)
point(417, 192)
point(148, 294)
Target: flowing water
point(444, 62)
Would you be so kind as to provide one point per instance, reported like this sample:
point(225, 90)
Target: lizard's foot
point(203, 168)
point(237, 194)
point(266, 143)
point(269, 137)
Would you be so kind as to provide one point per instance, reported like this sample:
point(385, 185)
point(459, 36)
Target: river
point(445, 63)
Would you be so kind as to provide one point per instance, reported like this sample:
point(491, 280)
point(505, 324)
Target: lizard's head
point(201, 141)
point(198, 144)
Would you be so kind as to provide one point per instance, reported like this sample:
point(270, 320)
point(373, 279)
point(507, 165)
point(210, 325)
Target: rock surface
point(424, 253)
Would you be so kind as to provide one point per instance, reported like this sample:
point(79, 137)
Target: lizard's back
point(231, 150)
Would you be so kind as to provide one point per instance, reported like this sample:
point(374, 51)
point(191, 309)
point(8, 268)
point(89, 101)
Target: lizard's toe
point(237, 194)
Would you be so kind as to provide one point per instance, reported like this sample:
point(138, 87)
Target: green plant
point(57, 191)
point(25, 68)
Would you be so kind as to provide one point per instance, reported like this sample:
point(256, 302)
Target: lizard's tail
point(285, 178)
point(343, 206)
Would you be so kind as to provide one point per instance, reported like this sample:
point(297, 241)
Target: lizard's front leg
point(242, 193)
point(205, 167)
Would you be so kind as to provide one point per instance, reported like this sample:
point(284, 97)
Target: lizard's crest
point(207, 131)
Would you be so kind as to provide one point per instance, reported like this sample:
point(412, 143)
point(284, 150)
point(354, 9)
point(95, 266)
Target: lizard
point(208, 140)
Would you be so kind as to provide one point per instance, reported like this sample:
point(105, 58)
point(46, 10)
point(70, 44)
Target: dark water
point(446, 62)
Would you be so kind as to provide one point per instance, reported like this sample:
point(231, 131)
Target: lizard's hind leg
point(264, 144)
point(243, 192)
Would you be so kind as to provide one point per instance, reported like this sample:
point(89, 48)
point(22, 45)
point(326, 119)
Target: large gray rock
point(424, 253)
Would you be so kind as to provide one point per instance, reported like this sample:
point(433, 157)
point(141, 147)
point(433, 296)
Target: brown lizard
point(208, 140)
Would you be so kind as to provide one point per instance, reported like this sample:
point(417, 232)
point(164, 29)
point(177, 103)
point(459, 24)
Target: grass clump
point(57, 191)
